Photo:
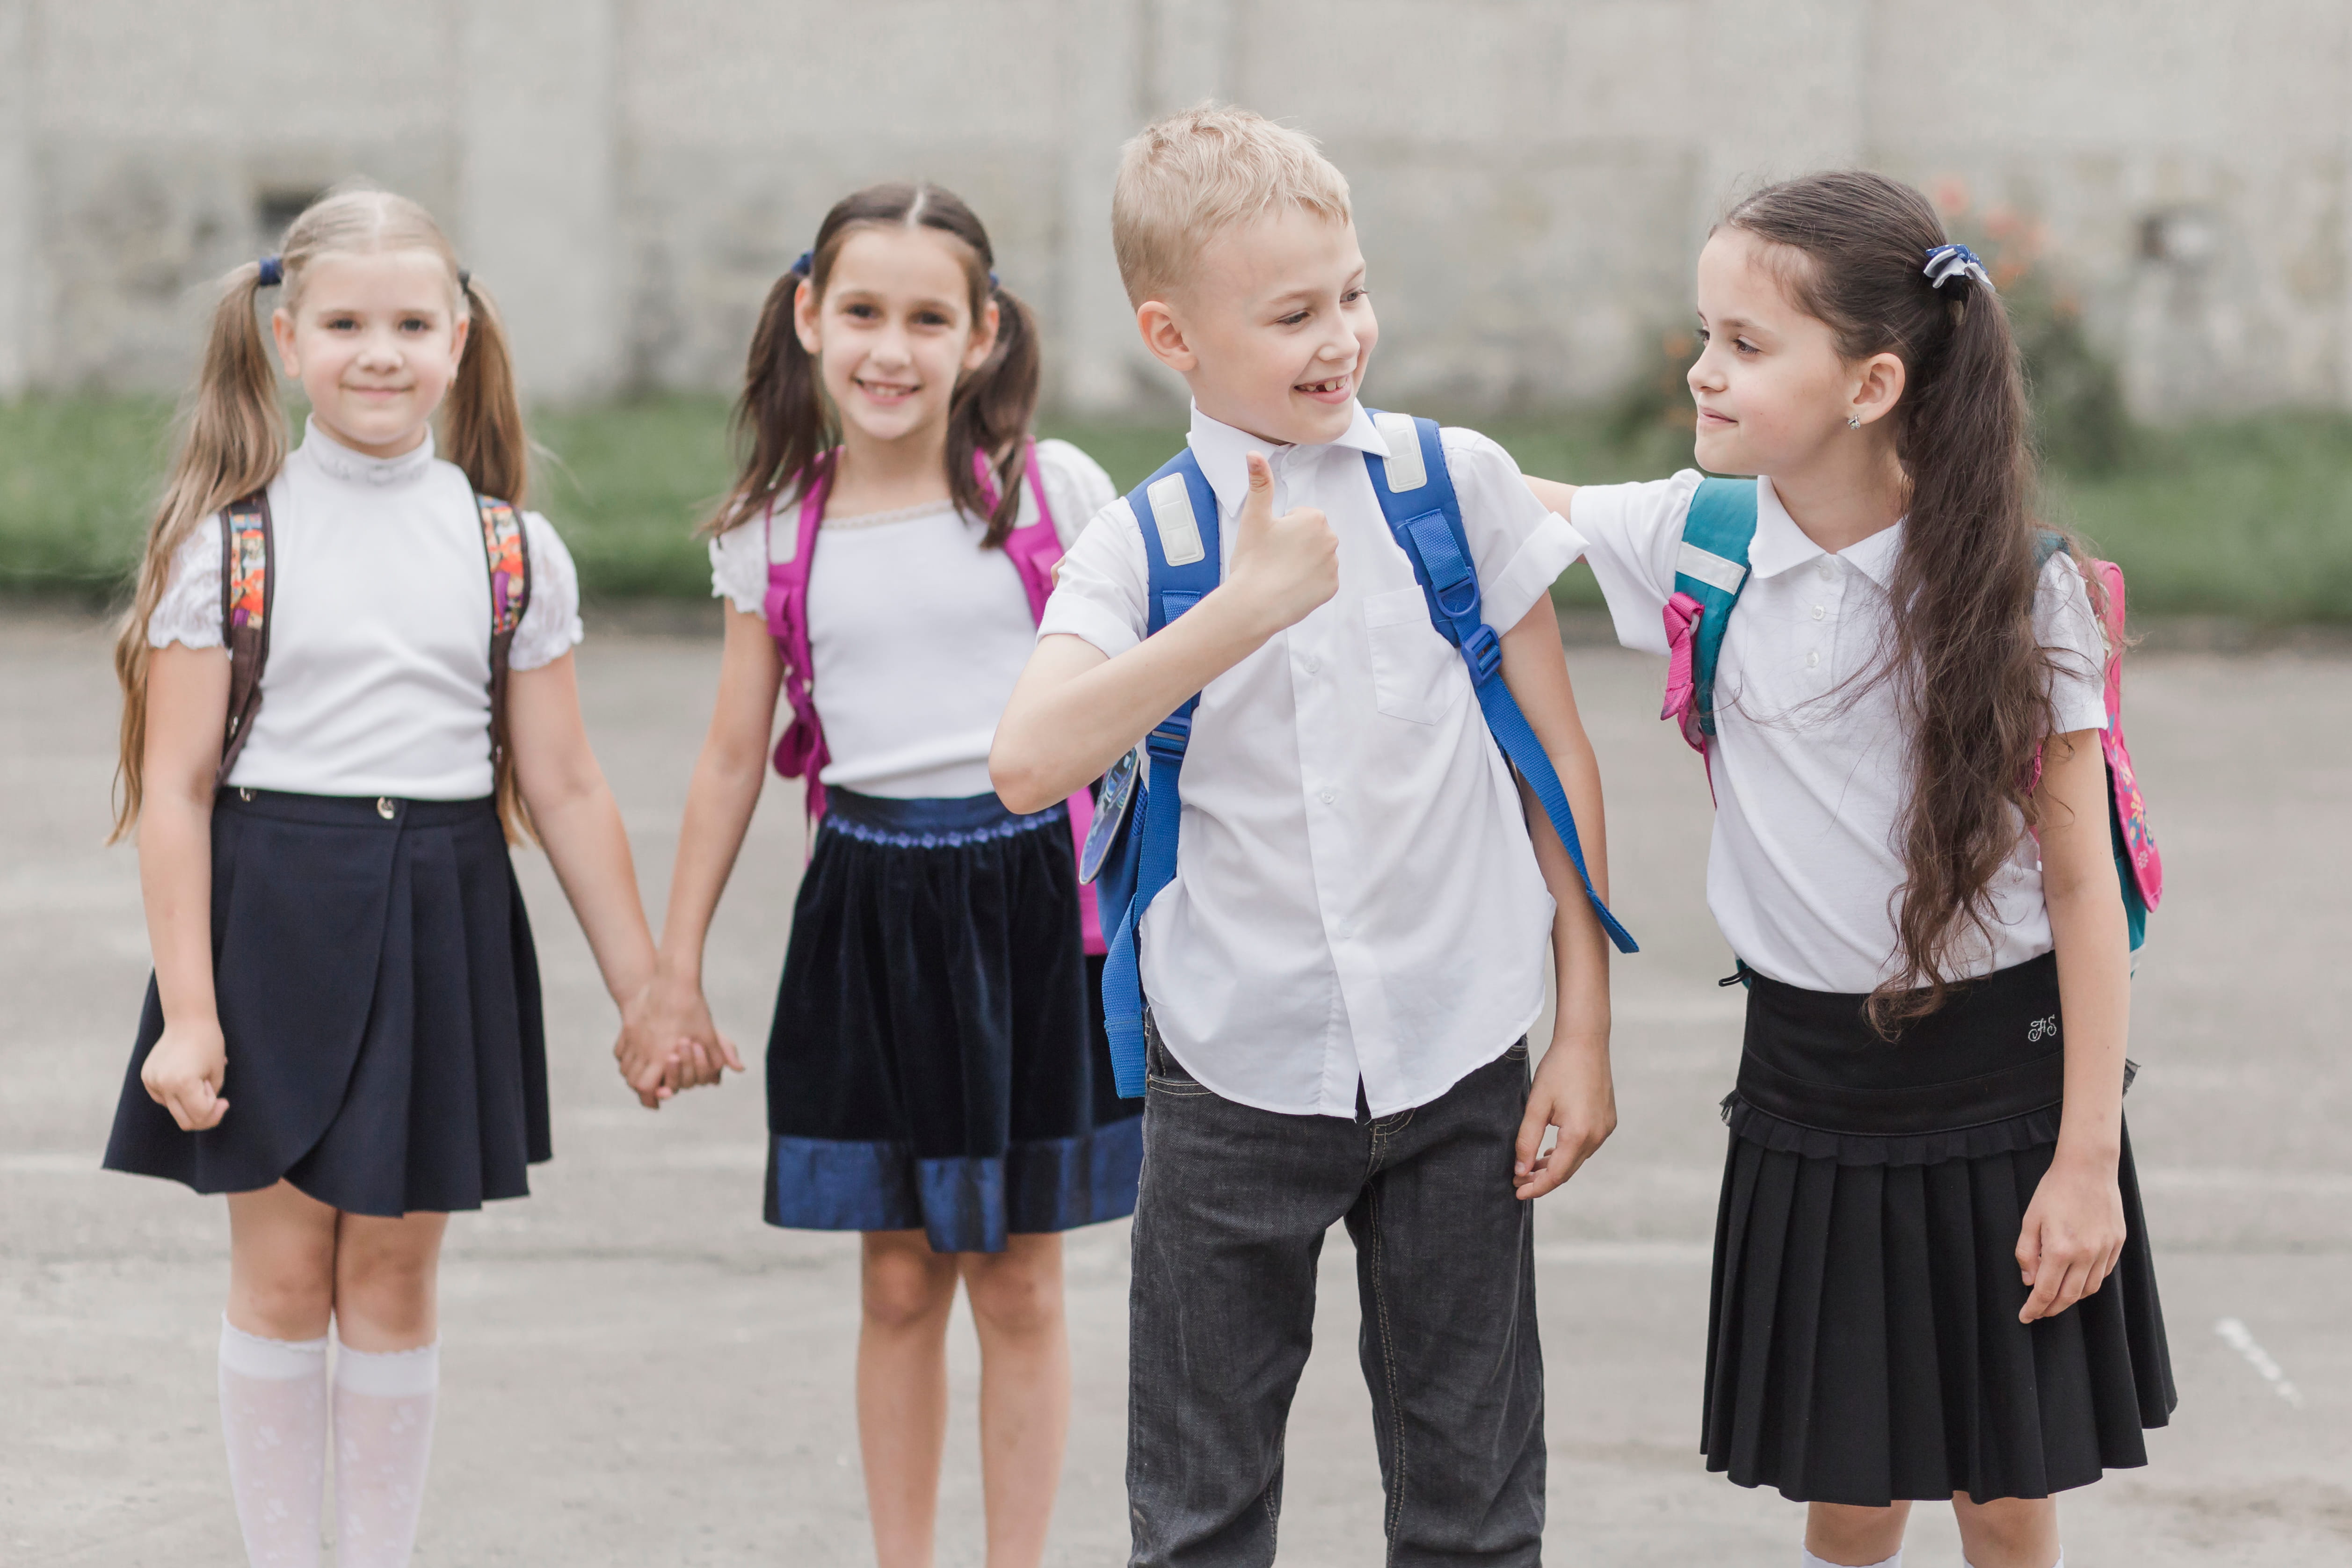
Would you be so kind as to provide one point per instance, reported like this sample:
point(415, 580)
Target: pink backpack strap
point(802, 752)
point(2131, 809)
point(1035, 549)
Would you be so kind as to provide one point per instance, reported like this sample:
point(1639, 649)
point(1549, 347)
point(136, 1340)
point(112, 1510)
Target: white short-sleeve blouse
point(378, 677)
point(918, 633)
point(1809, 764)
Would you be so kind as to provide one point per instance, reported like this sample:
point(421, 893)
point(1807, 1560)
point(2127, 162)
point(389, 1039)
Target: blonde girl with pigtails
point(348, 685)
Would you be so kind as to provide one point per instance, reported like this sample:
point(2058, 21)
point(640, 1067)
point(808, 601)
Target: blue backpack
point(1712, 569)
point(1130, 854)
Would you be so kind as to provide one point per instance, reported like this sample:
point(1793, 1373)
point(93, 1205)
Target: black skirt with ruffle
point(1864, 1343)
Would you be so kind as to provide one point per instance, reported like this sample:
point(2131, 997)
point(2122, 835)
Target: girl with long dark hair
point(936, 1074)
point(1932, 1278)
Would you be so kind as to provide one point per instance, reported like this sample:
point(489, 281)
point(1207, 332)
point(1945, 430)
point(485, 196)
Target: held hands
point(669, 1041)
point(2073, 1235)
point(1283, 567)
point(184, 1072)
point(1572, 1091)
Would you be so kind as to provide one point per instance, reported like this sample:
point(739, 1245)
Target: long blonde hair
point(233, 437)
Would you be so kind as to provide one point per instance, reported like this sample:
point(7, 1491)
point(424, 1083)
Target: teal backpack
point(1712, 569)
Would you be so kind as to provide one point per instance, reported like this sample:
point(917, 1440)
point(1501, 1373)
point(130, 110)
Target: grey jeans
point(1228, 1229)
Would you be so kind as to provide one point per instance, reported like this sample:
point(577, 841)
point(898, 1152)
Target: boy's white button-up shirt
point(1810, 771)
point(1356, 895)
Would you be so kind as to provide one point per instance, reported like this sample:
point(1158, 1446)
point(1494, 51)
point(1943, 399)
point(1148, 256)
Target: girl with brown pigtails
point(936, 1074)
point(347, 684)
point(1932, 1277)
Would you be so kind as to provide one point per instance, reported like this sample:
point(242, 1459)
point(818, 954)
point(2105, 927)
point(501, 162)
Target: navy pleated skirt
point(1864, 1344)
point(938, 1061)
point(379, 995)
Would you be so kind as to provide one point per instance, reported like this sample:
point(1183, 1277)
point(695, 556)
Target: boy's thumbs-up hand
point(1285, 566)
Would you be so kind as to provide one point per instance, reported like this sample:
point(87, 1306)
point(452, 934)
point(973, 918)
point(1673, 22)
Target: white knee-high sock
point(2059, 1563)
point(273, 1399)
point(384, 1440)
point(1894, 1561)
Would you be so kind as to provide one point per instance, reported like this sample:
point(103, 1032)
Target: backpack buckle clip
point(1169, 739)
point(1482, 651)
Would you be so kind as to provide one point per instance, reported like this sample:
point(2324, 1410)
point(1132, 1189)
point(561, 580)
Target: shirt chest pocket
point(1412, 667)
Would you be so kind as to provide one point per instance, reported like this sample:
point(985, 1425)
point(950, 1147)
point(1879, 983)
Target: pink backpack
point(1033, 550)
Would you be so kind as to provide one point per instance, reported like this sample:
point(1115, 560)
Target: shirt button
point(1826, 567)
point(1818, 613)
point(1814, 660)
point(1327, 797)
point(1314, 665)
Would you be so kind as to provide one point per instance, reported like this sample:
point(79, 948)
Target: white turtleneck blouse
point(378, 676)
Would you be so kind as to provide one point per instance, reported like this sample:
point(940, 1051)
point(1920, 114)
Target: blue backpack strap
point(1176, 511)
point(1417, 496)
point(1712, 568)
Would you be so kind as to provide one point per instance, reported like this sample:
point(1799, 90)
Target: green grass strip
point(2249, 519)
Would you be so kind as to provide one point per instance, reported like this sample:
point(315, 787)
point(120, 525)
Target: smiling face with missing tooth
point(1274, 328)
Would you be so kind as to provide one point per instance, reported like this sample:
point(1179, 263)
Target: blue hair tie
point(805, 266)
point(1946, 262)
point(273, 272)
point(992, 284)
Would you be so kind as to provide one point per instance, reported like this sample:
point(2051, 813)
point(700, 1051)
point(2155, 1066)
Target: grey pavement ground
point(639, 1372)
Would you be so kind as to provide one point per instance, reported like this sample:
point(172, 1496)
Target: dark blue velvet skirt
point(938, 1059)
point(379, 995)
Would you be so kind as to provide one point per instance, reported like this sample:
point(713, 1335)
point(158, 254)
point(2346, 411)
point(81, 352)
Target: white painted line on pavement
point(2240, 1338)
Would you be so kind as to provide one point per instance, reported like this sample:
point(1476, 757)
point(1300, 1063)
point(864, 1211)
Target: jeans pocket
point(1412, 666)
point(1519, 1052)
point(1163, 1073)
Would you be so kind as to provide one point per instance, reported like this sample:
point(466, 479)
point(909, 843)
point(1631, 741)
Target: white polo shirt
point(1355, 893)
point(1811, 779)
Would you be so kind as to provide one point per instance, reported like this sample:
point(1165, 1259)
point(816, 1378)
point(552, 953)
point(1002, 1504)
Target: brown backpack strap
point(248, 588)
point(508, 554)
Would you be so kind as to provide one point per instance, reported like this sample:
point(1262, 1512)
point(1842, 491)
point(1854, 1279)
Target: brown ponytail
point(233, 443)
point(483, 419)
point(1973, 678)
point(783, 423)
point(233, 437)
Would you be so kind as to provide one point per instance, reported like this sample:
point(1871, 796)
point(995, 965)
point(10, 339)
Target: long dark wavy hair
point(1973, 679)
point(785, 423)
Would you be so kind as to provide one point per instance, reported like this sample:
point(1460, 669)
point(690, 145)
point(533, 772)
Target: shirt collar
point(1223, 451)
point(331, 457)
point(1780, 544)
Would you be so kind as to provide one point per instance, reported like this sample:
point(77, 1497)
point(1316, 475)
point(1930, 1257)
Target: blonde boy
point(1343, 972)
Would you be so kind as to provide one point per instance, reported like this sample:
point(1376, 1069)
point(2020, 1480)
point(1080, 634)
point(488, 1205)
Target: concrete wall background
point(1532, 177)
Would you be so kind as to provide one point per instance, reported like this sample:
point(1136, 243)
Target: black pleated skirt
point(1864, 1343)
point(938, 1059)
point(379, 995)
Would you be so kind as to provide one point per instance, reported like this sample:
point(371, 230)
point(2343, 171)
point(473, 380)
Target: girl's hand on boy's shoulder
point(1555, 495)
point(185, 1071)
point(1572, 1091)
point(2073, 1235)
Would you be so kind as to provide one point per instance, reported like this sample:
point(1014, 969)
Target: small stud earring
point(1854, 421)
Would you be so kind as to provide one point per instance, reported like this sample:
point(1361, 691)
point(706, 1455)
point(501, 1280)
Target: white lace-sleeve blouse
point(917, 634)
point(378, 676)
